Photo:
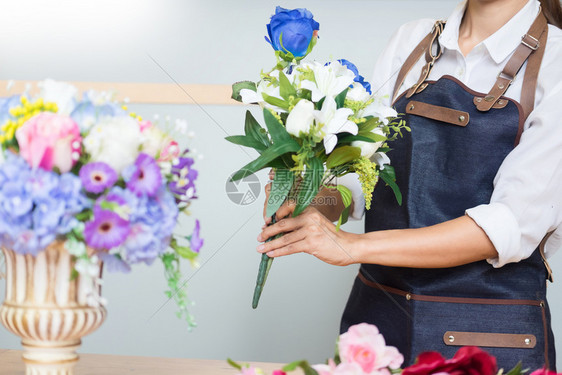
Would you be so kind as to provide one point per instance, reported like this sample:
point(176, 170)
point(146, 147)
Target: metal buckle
point(503, 75)
point(535, 40)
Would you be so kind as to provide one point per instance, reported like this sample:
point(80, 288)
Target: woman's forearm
point(452, 243)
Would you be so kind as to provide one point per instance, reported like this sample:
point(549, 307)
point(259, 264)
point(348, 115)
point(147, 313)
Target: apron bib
point(446, 165)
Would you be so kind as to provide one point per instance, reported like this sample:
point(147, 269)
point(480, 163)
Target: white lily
point(381, 159)
point(333, 121)
point(301, 118)
point(266, 87)
point(330, 79)
point(368, 149)
point(358, 93)
point(380, 110)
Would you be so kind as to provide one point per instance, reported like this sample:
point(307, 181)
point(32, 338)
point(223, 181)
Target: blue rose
point(292, 31)
point(358, 78)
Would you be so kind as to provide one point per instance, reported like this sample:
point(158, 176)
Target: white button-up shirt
point(526, 203)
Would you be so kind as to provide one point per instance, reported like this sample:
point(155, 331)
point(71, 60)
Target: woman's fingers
point(285, 245)
point(286, 209)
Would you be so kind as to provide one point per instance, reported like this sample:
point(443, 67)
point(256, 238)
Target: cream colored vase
point(48, 310)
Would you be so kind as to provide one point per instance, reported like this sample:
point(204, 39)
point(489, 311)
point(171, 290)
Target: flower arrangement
point(322, 122)
point(105, 181)
point(362, 351)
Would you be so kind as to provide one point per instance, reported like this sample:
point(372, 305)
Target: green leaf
point(340, 98)
point(265, 158)
point(275, 127)
point(253, 129)
point(238, 86)
point(286, 89)
point(388, 176)
point(373, 136)
point(234, 364)
point(304, 365)
point(342, 155)
point(344, 216)
point(369, 125)
point(346, 199)
point(247, 141)
point(308, 189)
point(352, 138)
point(282, 183)
point(517, 370)
point(276, 101)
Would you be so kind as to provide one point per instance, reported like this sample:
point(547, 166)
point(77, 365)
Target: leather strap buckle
point(506, 76)
point(530, 41)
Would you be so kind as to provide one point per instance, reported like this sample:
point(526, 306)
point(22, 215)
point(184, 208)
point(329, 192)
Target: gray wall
point(206, 42)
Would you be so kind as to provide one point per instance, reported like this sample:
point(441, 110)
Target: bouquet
point(322, 122)
point(105, 181)
point(362, 350)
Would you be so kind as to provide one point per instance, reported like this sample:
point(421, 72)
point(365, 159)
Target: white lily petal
point(330, 142)
point(381, 159)
point(249, 96)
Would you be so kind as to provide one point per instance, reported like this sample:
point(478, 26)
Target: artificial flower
point(301, 118)
point(114, 141)
point(329, 80)
point(61, 93)
point(49, 140)
point(368, 149)
point(97, 176)
point(106, 230)
point(182, 185)
point(196, 242)
point(333, 121)
point(144, 177)
point(362, 344)
point(467, 360)
point(292, 31)
point(358, 77)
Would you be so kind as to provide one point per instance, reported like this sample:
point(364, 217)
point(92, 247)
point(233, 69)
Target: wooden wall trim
point(147, 93)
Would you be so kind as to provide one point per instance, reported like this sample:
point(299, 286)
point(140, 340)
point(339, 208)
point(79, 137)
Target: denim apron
point(446, 165)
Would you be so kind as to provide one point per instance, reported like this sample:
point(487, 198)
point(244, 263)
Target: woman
point(459, 262)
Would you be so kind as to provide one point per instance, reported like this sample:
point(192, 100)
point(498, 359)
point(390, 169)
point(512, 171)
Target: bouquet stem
point(263, 271)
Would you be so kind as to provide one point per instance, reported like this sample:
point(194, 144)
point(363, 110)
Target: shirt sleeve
point(526, 203)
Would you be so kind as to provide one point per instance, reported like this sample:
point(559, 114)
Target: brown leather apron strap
point(529, 44)
point(424, 47)
point(531, 74)
point(465, 300)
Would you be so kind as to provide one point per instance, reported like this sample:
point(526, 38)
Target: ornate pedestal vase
point(47, 309)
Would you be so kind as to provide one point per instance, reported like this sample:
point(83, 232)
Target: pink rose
point(341, 369)
point(279, 372)
point(544, 372)
point(49, 140)
point(364, 345)
point(170, 151)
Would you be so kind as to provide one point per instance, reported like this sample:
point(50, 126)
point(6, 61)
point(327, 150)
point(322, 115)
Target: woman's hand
point(312, 233)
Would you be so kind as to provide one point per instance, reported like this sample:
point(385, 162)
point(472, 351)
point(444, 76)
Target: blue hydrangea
point(36, 205)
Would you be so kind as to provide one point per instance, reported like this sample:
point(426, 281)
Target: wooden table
point(101, 364)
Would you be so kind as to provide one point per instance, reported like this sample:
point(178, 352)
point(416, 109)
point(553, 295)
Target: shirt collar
point(500, 44)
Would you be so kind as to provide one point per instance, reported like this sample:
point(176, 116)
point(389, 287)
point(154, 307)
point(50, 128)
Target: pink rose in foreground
point(251, 370)
point(170, 152)
point(543, 371)
point(341, 369)
point(364, 345)
point(49, 140)
point(279, 372)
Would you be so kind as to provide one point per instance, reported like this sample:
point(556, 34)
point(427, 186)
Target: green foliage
point(176, 290)
point(389, 176)
point(238, 86)
point(280, 187)
point(340, 98)
point(304, 365)
point(311, 182)
point(266, 159)
point(346, 199)
point(286, 89)
point(276, 101)
point(342, 155)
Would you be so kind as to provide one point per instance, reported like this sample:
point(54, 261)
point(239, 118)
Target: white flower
point(99, 98)
point(381, 159)
point(269, 88)
point(301, 118)
point(61, 93)
point(330, 79)
point(369, 148)
point(115, 141)
point(153, 141)
point(378, 109)
point(181, 126)
point(334, 121)
point(358, 93)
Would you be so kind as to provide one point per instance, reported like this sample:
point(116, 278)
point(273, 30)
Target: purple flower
point(98, 176)
point(196, 242)
point(142, 245)
point(183, 180)
point(144, 177)
point(106, 231)
point(113, 262)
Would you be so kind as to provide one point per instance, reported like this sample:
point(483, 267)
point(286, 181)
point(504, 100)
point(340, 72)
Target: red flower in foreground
point(468, 360)
point(543, 372)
